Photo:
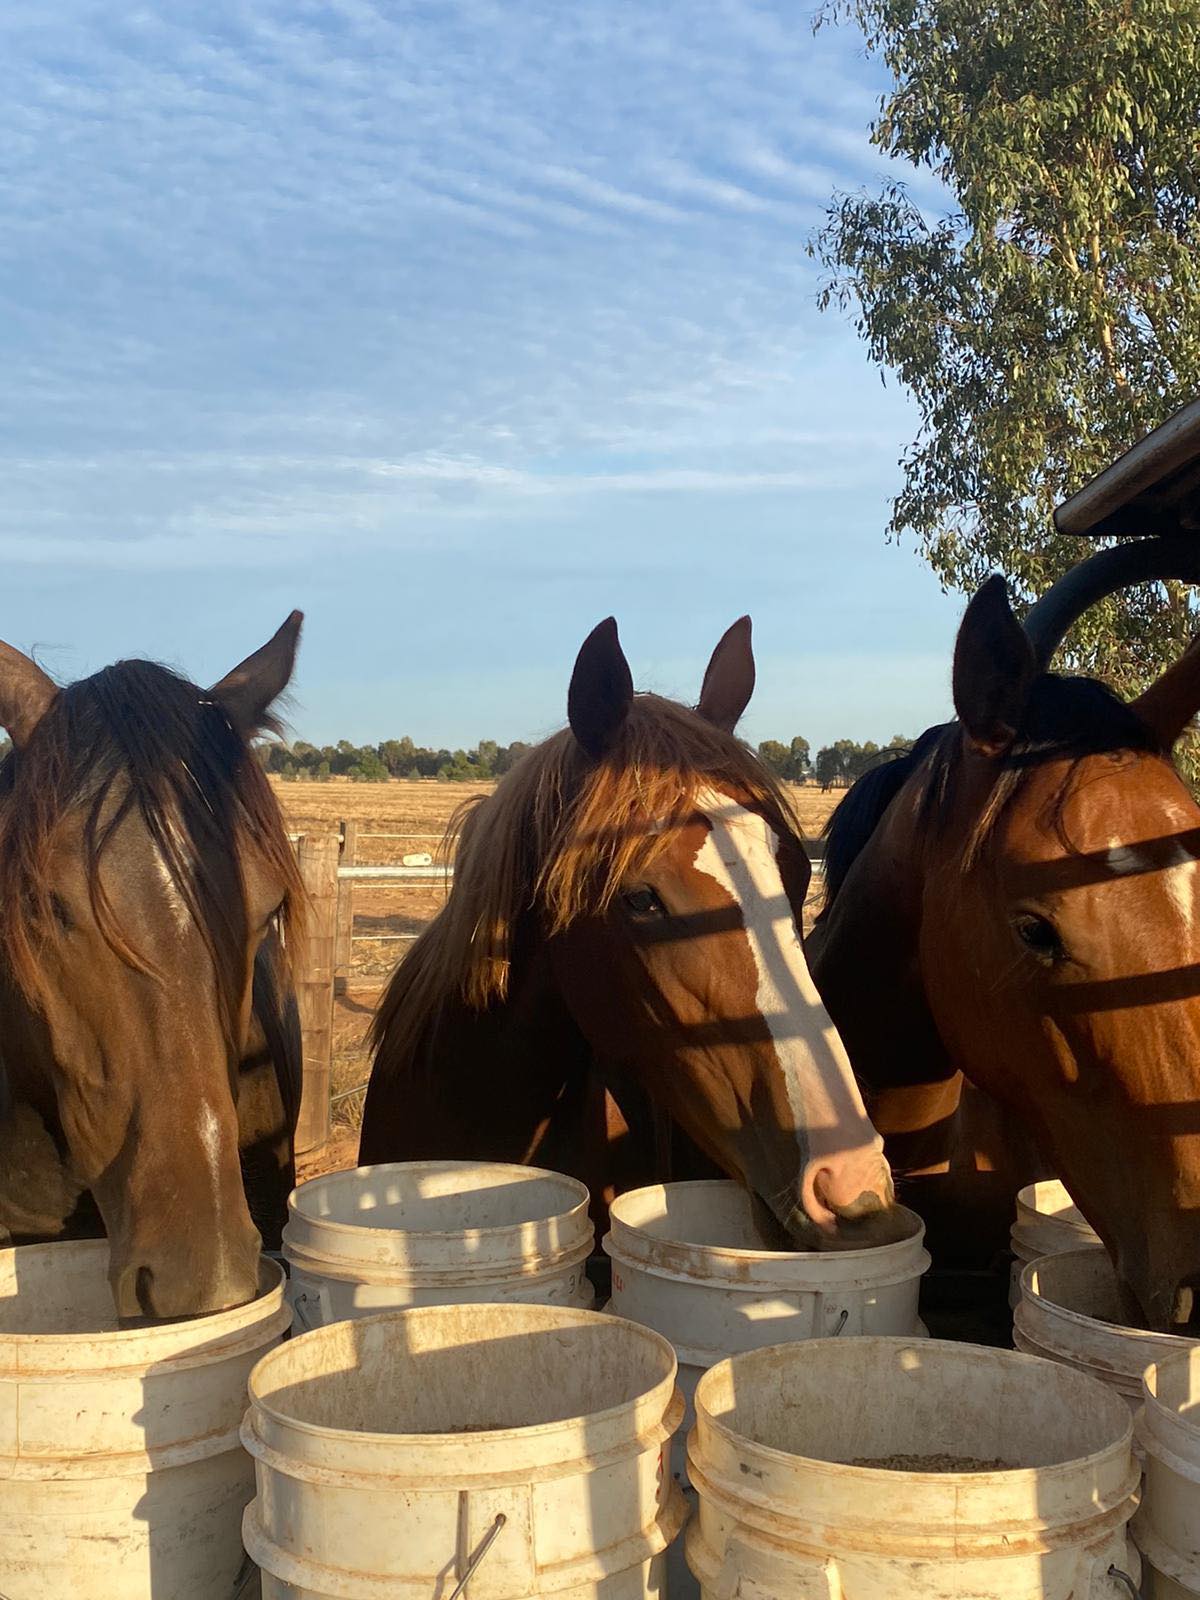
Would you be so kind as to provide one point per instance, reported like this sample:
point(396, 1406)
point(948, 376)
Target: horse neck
point(40, 1198)
point(866, 960)
point(867, 942)
point(504, 1084)
point(270, 1077)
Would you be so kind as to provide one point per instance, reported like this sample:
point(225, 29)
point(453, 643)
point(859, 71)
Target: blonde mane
point(560, 834)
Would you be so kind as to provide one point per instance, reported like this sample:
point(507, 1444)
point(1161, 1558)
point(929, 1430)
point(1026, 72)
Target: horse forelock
point(560, 834)
point(1066, 719)
point(138, 739)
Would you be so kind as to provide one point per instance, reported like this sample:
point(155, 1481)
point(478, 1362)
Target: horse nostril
point(868, 1204)
point(143, 1286)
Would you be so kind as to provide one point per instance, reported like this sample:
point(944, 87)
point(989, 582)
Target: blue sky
point(460, 325)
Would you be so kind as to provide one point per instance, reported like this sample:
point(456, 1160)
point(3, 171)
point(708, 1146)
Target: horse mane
point(1065, 718)
point(136, 738)
point(560, 834)
point(861, 810)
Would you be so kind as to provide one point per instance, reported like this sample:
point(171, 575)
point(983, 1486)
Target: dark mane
point(137, 738)
point(859, 813)
point(1065, 718)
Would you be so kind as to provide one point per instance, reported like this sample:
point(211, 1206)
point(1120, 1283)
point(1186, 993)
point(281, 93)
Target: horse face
point(130, 1038)
point(696, 978)
point(1064, 968)
point(143, 1071)
point(1060, 954)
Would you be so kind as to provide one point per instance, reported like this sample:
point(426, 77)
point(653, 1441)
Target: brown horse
point(1019, 898)
point(146, 1029)
point(623, 927)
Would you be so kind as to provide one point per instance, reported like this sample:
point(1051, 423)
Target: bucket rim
point(734, 1253)
point(561, 1316)
point(1170, 1342)
point(231, 1322)
point(582, 1194)
point(879, 1475)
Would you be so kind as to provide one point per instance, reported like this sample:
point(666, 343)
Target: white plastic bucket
point(689, 1261)
point(1048, 1221)
point(1167, 1526)
point(389, 1447)
point(416, 1233)
point(784, 1515)
point(1070, 1312)
point(121, 1473)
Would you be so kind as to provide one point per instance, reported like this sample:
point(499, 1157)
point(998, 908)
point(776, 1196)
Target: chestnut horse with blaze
point(622, 932)
point(1018, 901)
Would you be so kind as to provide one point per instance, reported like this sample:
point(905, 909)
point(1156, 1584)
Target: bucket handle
point(247, 1572)
point(1118, 1575)
point(307, 1322)
point(485, 1544)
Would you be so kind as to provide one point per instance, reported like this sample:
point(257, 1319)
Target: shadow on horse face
point(149, 864)
point(1089, 930)
point(1025, 891)
point(626, 906)
point(695, 981)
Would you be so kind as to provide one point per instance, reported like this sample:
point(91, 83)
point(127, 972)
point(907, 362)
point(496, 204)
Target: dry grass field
point(421, 811)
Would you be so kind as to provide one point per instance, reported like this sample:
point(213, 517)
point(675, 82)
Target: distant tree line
point(835, 765)
point(394, 758)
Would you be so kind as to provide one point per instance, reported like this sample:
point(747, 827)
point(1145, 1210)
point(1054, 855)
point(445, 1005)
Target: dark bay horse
point(1019, 900)
point(149, 1055)
point(622, 928)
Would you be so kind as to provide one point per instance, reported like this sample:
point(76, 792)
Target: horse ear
point(729, 681)
point(26, 694)
point(1173, 699)
point(601, 691)
point(249, 691)
point(994, 669)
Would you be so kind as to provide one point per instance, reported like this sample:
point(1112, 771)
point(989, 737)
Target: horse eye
point(1039, 936)
point(644, 903)
point(61, 915)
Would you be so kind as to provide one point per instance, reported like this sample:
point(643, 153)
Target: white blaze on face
point(1180, 868)
point(740, 853)
point(1182, 884)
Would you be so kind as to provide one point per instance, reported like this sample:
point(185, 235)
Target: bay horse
point(622, 932)
point(1018, 900)
point(149, 1052)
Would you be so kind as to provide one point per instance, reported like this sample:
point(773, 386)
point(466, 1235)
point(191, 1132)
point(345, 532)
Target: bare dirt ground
point(422, 812)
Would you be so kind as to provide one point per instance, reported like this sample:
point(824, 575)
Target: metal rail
point(399, 874)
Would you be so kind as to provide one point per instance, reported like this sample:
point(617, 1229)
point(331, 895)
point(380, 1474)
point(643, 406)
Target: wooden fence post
point(344, 952)
point(318, 861)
